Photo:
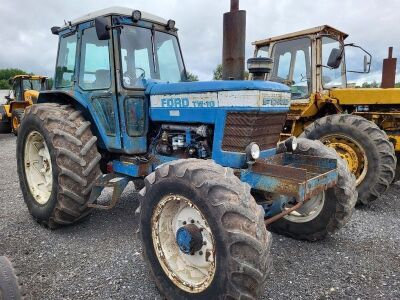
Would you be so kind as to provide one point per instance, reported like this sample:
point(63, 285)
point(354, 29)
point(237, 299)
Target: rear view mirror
point(358, 60)
point(102, 28)
point(335, 58)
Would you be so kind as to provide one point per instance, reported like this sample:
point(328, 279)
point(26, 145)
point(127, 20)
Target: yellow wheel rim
point(15, 122)
point(351, 152)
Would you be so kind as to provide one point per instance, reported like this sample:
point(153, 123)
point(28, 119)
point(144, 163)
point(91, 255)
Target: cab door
point(96, 84)
point(132, 60)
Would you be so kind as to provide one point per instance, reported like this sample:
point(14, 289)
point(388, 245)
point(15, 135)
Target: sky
point(27, 43)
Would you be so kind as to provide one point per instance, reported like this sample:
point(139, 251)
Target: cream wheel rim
point(38, 170)
point(192, 272)
point(309, 210)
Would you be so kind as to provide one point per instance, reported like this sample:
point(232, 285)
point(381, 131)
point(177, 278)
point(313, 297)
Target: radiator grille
point(243, 128)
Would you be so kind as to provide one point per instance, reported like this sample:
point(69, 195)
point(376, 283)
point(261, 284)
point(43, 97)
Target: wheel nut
point(200, 252)
point(192, 221)
point(184, 222)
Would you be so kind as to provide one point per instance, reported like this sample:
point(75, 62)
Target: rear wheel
point(10, 287)
point(57, 162)
point(16, 117)
point(366, 149)
point(202, 233)
point(326, 212)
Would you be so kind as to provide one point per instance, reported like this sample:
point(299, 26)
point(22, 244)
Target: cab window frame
point(73, 32)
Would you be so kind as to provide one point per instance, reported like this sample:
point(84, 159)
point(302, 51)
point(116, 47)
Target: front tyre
point(57, 163)
point(326, 212)
point(203, 234)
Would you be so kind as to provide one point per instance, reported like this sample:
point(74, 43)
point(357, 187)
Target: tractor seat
point(102, 79)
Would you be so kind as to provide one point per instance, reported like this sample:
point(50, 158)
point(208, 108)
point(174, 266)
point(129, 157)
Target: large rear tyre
point(367, 150)
point(327, 212)
point(57, 162)
point(10, 287)
point(16, 117)
point(203, 234)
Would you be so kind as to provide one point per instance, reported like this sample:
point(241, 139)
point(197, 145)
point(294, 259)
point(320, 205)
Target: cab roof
point(116, 11)
point(34, 77)
point(314, 30)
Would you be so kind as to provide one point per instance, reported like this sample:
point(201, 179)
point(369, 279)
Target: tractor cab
point(313, 60)
point(106, 61)
point(26, 87)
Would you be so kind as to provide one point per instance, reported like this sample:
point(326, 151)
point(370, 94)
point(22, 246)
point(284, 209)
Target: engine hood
point(206, 102)
point(158, 88)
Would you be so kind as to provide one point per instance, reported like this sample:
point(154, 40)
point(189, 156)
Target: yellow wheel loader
point(24, 92)
point(361, 124)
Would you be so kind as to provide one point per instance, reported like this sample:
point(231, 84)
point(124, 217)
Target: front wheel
point(326, 212)
point(203, 233)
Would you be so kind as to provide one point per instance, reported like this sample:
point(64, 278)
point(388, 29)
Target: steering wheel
point(133, 81)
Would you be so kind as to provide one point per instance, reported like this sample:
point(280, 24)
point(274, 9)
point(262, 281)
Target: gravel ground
point(100, 258)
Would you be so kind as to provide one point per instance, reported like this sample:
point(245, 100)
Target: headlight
point(170, 24)
point(253, 151)
point(291, 144)
point(288, 145)
point(136, 15)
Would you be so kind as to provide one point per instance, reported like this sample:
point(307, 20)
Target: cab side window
point(65, 68)
point(94, 73)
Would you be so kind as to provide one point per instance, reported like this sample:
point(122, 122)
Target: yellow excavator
point(23, 93)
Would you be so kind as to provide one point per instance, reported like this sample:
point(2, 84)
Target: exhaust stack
point(389, 71)
point(234, 43)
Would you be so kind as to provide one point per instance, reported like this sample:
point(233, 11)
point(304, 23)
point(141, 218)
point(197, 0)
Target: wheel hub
point(184, 243)
point(351, 152)
point(189, 239)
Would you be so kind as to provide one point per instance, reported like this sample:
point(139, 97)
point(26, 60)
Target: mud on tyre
point(197, 192)
point(364, 146)
point(57, 162)
point(10, 285)
point(327, 212)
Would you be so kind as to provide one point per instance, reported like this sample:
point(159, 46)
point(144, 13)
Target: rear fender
point(68, 98)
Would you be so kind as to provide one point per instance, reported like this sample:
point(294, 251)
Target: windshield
point(31, 84)
point(330, 77)
point(145, 55)
point(292, 66)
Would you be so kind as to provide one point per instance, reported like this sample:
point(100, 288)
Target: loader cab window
point(292, 66)
point(263, 52)
point(94, 73)
point(65, 68)
point(331, 77)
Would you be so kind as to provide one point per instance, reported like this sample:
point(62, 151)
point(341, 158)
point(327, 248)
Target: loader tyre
point(10, 287)
point(5, 126)
point(326, 212)
point(57, 163)
point(364, 146)
point(16, 117)
point(227, 253)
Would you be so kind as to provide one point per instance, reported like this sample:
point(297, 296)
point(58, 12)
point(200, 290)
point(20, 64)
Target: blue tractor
point(214, 172)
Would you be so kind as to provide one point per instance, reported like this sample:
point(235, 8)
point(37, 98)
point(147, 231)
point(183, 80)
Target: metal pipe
point(234, 5)
point(234, 43)
point(282, 214)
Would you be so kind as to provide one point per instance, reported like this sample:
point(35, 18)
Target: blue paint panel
point(156, 88)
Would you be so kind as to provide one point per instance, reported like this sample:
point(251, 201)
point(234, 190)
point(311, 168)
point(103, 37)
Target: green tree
point(368, 85)
point(192, 77)
point(397, 85)
point(218, 73)
point(6, 74)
